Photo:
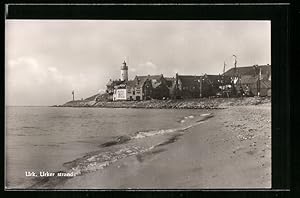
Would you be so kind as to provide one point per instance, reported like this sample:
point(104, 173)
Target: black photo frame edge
point(281, 26)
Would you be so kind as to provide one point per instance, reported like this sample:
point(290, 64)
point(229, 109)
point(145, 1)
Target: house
point(120, 92)
point(187, 86)
point(134, 90)
point(110, 86)
point(252, 80)
point(254, 87)
point(131, 89)
point(152, 86)
point(215, 86)
point(142, 88)
point(171, 84)
point(128, 90)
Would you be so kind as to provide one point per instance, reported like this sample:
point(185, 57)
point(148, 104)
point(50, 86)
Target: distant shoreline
point(29, 105)
point(200, 103)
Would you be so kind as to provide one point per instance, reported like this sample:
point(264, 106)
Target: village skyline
point(48, 59)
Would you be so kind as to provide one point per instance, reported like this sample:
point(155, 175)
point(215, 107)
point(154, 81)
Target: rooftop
point(249, 70)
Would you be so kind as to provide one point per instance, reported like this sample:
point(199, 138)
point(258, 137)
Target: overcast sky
point(46, 60)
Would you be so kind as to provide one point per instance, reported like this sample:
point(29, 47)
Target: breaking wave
point(100, 159)
point(143, 134)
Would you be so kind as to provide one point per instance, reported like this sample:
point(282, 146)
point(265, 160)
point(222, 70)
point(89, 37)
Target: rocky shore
point(200, 103)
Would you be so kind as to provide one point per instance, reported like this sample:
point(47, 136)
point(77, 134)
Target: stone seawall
point(202, 103)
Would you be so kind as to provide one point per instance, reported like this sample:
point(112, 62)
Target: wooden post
point(73, 94)
point(176, 86)
point(200, 87)
point(258, 82)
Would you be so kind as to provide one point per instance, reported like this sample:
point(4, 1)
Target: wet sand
point(230, 150)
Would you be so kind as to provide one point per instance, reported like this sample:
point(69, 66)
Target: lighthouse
point(124, 72)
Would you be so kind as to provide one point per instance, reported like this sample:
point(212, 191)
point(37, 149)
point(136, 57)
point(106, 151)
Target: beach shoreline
point(225, 148)
point(230, 150)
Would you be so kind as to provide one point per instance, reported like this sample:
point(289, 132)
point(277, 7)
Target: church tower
point(124, 72)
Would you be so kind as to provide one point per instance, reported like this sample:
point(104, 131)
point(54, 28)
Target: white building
point(128, 90)
point(120, 92)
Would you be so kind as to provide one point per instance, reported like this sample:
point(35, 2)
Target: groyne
point(200, 103)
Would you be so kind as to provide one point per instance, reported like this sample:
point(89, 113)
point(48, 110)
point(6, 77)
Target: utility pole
point(257, 70)
point(73, 94)
point(258, 82)
point(235, 62)
point(223, 79)
point(200, 86)
point(237, 76)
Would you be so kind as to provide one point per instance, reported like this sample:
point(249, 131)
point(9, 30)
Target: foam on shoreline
point(100, 159)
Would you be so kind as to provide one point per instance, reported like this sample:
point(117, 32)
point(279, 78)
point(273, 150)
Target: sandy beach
point(230, 150)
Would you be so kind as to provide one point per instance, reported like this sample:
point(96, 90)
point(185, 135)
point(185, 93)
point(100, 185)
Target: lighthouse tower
point(124, 72)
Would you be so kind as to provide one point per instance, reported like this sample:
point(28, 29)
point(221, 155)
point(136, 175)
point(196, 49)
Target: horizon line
point(28, 105)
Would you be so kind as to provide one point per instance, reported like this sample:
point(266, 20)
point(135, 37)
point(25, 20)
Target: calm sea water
point(82, 140)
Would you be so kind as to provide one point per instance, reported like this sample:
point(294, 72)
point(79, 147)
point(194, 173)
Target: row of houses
point(239, 81)
point(252, 80)
point(140, 88)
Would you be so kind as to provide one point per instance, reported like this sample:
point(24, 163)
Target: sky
point(46, 59)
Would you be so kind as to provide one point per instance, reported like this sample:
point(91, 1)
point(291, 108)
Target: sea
point(77, 141)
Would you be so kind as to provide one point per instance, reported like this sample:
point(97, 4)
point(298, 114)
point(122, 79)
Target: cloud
point(52, 69)
point(147, 65)
point(132, 69)
point(25, 71)
point(144, 68)
point(55, 75)
point(46, 59)
point(27, 79)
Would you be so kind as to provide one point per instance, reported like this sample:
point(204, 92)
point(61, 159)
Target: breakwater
point(200, 103)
